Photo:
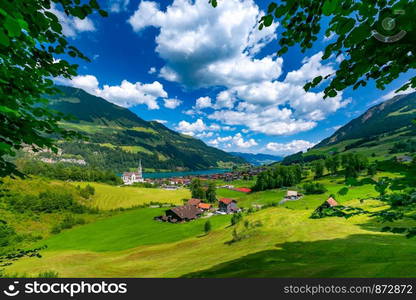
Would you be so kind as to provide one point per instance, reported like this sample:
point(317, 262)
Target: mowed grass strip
point(109, 197)
point(127, 230)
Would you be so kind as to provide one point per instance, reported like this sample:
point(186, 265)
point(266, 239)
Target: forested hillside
point(118, 139)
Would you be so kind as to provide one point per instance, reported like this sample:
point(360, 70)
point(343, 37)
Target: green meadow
point(109, 197)
point(278, 241)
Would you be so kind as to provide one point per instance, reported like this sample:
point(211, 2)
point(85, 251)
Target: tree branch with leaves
point(31, 38)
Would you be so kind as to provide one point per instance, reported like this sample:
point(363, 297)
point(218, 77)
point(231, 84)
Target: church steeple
point(139, 170)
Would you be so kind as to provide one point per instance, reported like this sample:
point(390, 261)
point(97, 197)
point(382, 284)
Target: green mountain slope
point(385, 117)
point(374, 133)
point(118, 138)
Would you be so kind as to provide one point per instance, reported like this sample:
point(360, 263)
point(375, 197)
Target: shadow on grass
point(362, 255)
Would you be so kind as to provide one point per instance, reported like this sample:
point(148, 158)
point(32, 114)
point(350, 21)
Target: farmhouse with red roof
point(228, 205)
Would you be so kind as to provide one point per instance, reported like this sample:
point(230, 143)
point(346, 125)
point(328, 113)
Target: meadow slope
point(279, 241)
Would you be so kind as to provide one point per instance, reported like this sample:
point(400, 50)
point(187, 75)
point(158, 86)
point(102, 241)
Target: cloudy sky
point(210, 73)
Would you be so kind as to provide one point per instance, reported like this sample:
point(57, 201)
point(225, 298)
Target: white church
point(133, 177)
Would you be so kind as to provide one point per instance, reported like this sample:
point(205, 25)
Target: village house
point(228, 205)
point(169, 187)
point(182, 214)
point(194, 201)
point(292, 195)
point(404, 158)
point(330, 202)
point(133, 177)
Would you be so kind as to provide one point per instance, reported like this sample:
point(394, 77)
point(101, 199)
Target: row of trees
point(278, 177)
point(352, 163)
point(63, 171)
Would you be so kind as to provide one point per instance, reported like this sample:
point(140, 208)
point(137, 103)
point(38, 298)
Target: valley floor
point(279, 241)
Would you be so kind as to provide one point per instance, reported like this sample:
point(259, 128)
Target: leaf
point(4, 39)
point(267, 20)
point(329, 7)
point(316, 80)
point(103, 13)
point(359, 34)
point(272, 7)
point(345, 25)
point(332, 93)
point(282, 51)
point(5, 147)
point(5, 109)
point(94, 4)
point(12, 27)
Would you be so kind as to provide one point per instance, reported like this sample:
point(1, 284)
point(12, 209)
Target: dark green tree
point(236, 218)
point(207, 226)
point(211, 192)
point(372, 169)
point(381, 186)
point(318, 167)
point(31, 39)
point(353, 164)
point(196, 188)
point(332, 164)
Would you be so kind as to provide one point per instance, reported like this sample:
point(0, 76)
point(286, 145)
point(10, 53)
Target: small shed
point(330, 202)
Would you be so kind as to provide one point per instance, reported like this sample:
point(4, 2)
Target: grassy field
point(111, 197)
point(288, 244)
point(128, 230)
point(279, 241)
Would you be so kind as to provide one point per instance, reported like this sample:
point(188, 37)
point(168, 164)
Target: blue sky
point(212, 74)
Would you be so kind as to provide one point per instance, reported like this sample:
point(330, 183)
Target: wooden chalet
point(183, 213)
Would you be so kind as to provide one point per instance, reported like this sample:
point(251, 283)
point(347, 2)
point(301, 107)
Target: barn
point(183, 213)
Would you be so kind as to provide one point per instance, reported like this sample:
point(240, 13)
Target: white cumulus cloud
point(126, 94)
point(203, 102)
point(276, 107)
point(236, 140)
point(117, 6)
point(203, 46)
point(172, 103)
point(289, 148)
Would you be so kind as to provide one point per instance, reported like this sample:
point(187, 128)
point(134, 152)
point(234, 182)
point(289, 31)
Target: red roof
point(331, 201)
point(194, 201)
point(226, 200)
point(244, 190)
point(204, 205)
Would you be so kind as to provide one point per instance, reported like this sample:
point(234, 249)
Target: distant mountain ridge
point(387, 116)
point(374, 133)
point(258, 159)
point(118, 138)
